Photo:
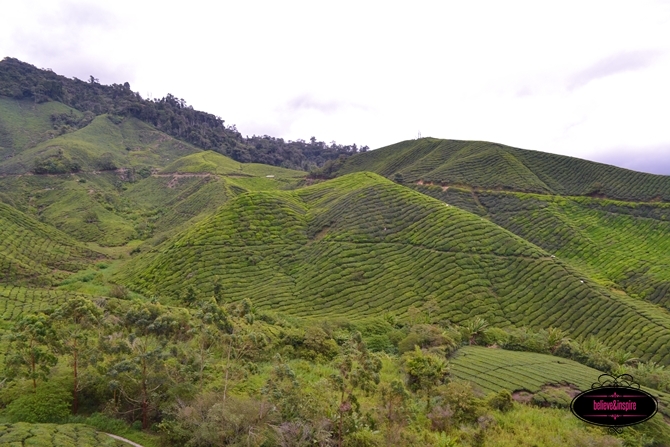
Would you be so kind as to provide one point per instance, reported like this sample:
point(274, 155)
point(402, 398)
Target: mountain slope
point(107, 143)
point(360, 245)
point(30, 250)
point(495, 166)
point(24, 124)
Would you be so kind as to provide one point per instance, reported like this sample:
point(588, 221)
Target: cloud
point(307, 102)
point(59, 36)
point(617, 63)
point(654, 159)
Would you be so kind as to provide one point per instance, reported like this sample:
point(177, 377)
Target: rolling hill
point(360, 245)
point(30, 250)
point(495, 166)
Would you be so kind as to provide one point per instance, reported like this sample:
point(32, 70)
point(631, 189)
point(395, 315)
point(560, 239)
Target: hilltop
point(494, 166)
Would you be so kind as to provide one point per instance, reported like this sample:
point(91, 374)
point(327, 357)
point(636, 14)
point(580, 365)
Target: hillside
point(360, 245)
point(107, 143)
point(110, 178)
point(495, 166)
point(24, 124)
point(30, 251)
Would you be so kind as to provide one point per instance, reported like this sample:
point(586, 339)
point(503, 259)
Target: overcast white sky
point(584, 78)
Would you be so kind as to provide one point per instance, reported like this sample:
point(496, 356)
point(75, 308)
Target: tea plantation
point(494, 166)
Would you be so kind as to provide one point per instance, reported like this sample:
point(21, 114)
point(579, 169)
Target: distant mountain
point(28, 84)
point(494, 166)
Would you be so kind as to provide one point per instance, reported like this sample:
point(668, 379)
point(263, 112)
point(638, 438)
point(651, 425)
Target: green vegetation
point(495, 166)
point(622, 244)
point(24, 124)
point(353, 247)
point(30, 85)
point(459, 294)
point(30, 251)
point(105, 144)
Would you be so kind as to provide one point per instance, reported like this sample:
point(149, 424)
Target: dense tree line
point(169, 114)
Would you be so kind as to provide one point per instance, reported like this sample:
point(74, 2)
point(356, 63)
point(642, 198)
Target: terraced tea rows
point(498, 369)
point(551, 378)
point(215, 163)
point(16, 301)
point(360, 245)
point(495, 166)
point(622, 244)
point(30, 250)
point(51, 435)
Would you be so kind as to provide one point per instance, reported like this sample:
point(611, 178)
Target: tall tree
point(424, 372)
point(31, 343)
point(357, 368)
point(72, 320)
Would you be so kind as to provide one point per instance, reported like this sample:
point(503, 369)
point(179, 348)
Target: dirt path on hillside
point(128, 441)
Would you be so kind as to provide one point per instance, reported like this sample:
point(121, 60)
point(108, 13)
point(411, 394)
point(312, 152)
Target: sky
point(589, 79)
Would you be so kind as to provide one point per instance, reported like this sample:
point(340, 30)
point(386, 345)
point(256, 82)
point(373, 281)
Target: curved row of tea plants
point(52, 435)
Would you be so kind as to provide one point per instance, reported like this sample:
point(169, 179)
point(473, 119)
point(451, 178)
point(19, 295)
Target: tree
point(358, 369)
point(32, 339)
point(475, 327)
point(394, 397)
point(218, 290)
point(140, 373)
point(430, 307)
point(424, 372)
point(284, 390)
point(73, 318)
point(214, 322)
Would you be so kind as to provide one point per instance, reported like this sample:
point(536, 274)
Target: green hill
point(360, 245)
point(495, 166)
point(24, 124)
point(30, 250)
point(107, 143)
point(311, 278)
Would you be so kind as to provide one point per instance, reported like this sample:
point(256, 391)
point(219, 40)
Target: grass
point(495, 166)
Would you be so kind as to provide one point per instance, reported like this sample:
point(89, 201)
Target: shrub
point(461, 399)
point(49, 404)
point(495, 336)
point(501, 401)
point(119, 291)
